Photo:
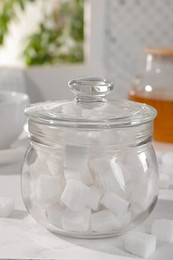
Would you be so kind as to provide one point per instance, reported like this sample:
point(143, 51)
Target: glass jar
point(155, 88)
point(90, 170)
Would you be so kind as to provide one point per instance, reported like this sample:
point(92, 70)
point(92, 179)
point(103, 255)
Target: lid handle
point(90, 88)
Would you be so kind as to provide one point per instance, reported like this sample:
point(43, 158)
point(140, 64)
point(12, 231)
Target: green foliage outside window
point(59, 38)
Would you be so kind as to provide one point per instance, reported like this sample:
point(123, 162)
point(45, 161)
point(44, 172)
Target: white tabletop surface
point(22, 238)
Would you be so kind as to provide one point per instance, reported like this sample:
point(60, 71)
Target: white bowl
point(12, 118)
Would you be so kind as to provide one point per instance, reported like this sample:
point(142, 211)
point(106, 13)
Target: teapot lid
point(90, 108)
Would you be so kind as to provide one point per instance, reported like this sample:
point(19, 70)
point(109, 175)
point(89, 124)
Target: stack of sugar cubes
point(144, 244)
point(165, 166)
point(75, 191)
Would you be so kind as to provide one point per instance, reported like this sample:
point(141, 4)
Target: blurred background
point(44, 44)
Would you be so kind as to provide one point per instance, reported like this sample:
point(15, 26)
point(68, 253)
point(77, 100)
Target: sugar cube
point(76, 161)
point(126, 194)
point(167, 158)
point(119, 174)
point(54, 214)
point(126, 218)
point(104, 221)
point(137, 173)
point(141, 196)
point(38, 213)
point(137, 165)
point(55, 164)
point(108, 174)
point(74, 155)
point(48, 190)
point(6, 206)
point(158, 155)
point(114, 203)
point(126, 173)
point(75, 195)
point(78, 174)
point(76, 221)
point(39, 167)
point(94, 198)
point(164, 181)
point(163, 230)
point(165, 169)
point(72, 174)
point(140, 244)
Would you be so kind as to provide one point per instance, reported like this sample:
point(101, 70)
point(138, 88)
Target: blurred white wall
point(51, 83)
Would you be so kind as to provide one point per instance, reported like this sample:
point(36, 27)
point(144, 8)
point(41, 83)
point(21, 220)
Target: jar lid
point(90, 108)
point(166, 52)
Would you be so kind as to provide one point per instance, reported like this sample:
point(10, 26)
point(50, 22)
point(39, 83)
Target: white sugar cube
point(94, 198)
point(78, 175)
point(86, 175)
point(76, 221)
point(138, 165)
point(126, 173)
point(159, 155)
point(55, 164)
point(126, 218)
point(137, 173)
point(76, 161)
point(48, 190)
point(164, 181)
point(54, 214)
point(114, 203)
point(104, 221)
point(72, 174)
point(39, 167)
point(75, 195)
point(120, 172)
point(108, 174)
point(74, 156)
point(38, 213)
point(6, 206)
point(165, 169)
point(142, 196)
point(163, 230)
point(140, 244)
point(126, 194)
point(167, 158)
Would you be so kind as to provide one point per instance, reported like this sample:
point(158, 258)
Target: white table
point(22, 238)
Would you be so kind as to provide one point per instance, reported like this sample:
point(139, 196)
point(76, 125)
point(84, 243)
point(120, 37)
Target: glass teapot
point(155, 87)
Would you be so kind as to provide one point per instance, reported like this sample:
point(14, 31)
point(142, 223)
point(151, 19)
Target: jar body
point(91, 183)
point(155, 87)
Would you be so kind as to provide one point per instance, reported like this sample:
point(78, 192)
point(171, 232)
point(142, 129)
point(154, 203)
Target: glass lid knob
point(90, 88)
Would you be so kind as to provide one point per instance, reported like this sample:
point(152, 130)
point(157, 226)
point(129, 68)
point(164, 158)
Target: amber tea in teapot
point(155, 88)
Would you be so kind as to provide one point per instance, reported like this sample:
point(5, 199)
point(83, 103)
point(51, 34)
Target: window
point(37, 32)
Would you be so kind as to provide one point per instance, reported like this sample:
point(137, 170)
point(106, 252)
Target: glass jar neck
point(118, 138)
point(157, 64)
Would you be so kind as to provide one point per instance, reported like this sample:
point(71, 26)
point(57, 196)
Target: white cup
point(12, 118)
